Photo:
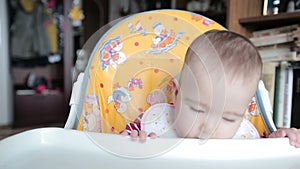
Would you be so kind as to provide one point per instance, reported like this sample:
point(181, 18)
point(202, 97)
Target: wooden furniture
point(35, 109)
point(246, 16)
point(237, 9)
point(270, 21)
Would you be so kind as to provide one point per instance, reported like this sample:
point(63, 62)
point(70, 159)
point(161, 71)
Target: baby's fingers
point(278, 134)
point(292, 133)
point(142, 136)
point(152, 135)
point(124, 133)
point(294, 137)
point(134, 135)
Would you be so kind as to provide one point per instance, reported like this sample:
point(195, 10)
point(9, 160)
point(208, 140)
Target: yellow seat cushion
point(133, 66)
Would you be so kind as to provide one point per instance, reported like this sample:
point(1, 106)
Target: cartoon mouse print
point(252, 110)
point(205, 21)
point(111, 53)
point(137, 28)
point(135, 82)
point(92, 119)
point(164, 40)
point(120, 97)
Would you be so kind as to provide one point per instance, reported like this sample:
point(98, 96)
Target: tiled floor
point(6, 131)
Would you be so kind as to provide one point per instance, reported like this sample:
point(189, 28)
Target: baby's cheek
point(180, 128)
point(184, 128)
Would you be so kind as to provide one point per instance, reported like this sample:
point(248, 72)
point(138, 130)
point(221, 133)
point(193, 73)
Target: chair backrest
point(133, 66)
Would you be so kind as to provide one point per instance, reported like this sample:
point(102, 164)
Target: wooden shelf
point(39, 109)
point(51, 106)
point(270, 21)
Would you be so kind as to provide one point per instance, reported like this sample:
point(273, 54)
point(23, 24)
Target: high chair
point(132, 67)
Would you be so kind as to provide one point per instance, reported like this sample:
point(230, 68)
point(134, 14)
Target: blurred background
point(40, 43)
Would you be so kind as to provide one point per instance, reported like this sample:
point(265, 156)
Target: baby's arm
point(292, 133)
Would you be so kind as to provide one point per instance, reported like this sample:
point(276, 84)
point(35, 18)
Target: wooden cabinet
point(237, 9)
point(39, 109)
point(52, 107)
point(244, 17)
point(270, 21)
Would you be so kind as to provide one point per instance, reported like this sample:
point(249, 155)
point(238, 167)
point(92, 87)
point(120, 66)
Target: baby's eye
point(196, 110)
point(228, 120)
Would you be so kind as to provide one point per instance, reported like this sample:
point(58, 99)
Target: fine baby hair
point(216, 61)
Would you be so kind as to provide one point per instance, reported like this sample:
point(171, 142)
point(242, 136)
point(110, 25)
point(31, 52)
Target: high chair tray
point(52, 148)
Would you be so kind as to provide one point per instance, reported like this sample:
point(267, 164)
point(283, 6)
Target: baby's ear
point(175, 84)
point(176, 90)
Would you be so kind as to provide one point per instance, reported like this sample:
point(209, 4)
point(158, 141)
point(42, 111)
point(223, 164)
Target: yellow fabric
point(28, 5)
point(134, 64)
point(51, 28)
point(255, 117)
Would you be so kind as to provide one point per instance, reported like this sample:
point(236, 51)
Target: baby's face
point(208, 107)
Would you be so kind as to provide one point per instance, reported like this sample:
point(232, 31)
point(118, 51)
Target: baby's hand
point(138, 135)
point(292, 133)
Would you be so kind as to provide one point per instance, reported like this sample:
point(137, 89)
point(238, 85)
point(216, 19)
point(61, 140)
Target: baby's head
point(219, 78)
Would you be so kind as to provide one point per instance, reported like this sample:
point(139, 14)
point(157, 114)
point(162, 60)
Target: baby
point(219, 78)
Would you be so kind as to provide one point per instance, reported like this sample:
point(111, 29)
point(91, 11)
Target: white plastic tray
point(55, 148)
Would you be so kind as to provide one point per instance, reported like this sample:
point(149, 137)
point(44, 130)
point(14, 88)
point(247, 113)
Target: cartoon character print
point(163, 94)
point(111, 53)
point(137, 28)
point(164, 40)
point(92, 119)
point(157, 96)
point(135, 82)
point(196, 17)
point(205, 21)
point(252, 110)
point(120, 97)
